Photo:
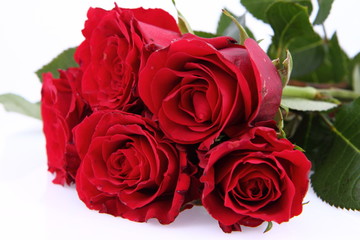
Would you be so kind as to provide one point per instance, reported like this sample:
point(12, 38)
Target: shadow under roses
point(199, 218)
point(13, 165)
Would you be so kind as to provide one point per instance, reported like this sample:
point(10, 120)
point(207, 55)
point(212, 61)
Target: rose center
point(253, 189)
point(201, 107)
point(120, 167)
point(118, 67)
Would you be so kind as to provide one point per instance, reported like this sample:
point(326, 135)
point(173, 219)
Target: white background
point(31, 207)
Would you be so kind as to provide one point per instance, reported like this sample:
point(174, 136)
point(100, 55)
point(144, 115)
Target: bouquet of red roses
point(154, 120)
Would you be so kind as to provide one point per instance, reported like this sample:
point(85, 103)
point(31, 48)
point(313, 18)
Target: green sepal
point(242, 32)
point(356, 78)
point(285, 68)
point(226, 27)
point(279, 119)
point(183, 24)
point(268, 227)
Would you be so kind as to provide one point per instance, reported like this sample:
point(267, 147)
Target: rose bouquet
point(153, 121)
point(149, 118)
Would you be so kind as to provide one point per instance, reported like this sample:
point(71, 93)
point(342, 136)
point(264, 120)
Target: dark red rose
point(128, 169)
point(116, 43)
point(62, 109)
point(198, 88)
point(254, 178)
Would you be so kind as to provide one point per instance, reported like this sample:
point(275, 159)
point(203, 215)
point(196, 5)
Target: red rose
point(61, 110)
point(116, 42)
point(129, 170)
point(198, 88)
point(254, 178)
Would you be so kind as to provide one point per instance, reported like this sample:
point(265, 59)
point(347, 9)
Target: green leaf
point(334, 68)
point(205, 34)
point(336, 179)
point(301, 104)
point(289, 21)
point(308, 53)
point(15, 103)
point(312, 134)
point(324, 11)
point(63, 61)
point(258, 8)
point(339, 60)
point(293, 31)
